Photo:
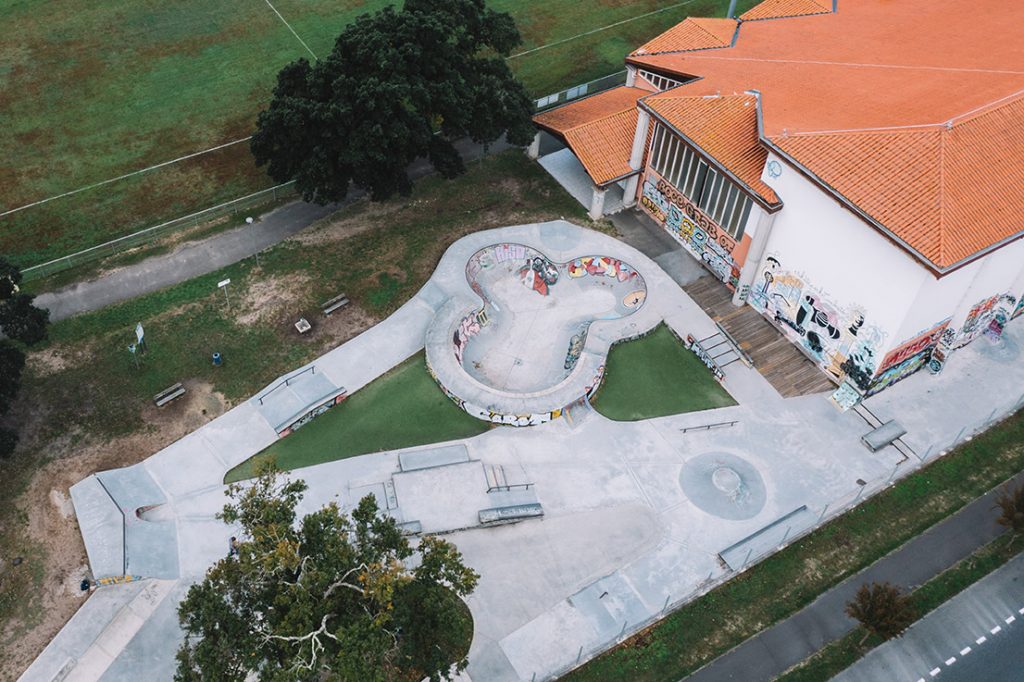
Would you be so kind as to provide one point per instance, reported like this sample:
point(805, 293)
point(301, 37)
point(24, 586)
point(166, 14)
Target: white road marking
point(966, 650)
point(1021, 612)
point(935, 672)
point(920, 679)
point(951, 660)
point(1010, 620)
point(981, 640)
point(996, 630)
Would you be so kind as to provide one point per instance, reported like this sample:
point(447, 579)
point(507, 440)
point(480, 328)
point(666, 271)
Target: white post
point(597, 203)
point(753, 262)
point(533, 151)
point(630, 75)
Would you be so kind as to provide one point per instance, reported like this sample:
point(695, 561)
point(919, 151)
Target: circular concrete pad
point(724, 485)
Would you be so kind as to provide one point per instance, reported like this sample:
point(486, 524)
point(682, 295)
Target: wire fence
point(149, 234)
point(575, 92)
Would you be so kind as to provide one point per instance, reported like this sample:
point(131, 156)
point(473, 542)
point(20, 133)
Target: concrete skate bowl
point(531, 342)
point(724, 485)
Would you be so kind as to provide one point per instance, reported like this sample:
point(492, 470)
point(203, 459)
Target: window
point(658, 81)
point(716, 195)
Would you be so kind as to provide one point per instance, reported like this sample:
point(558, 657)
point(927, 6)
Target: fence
point(147, 235)
point(234, 206)
point(577, 91)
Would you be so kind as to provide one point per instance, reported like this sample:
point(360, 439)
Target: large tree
point(21, 321)
point(398, 85)
point(882, 609)
point(330, 597)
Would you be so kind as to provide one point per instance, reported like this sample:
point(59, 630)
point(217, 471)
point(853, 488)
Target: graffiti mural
point(837, 338)
point(703, 238)
point(1020, 307)
point(908, 357)
point(977, 320)
point(467, 329)
point(539, 274)
point(846, 396)
point(576, 344)
point(1001, 315)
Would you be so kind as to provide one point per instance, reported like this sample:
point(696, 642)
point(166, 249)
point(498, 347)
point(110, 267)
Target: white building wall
point(831, 283)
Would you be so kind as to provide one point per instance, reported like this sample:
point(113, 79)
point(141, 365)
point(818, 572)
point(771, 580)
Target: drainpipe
point(636, 157)
point(597, 203)
point(754, 256)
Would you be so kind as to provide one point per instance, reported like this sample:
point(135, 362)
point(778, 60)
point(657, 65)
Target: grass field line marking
point(285, 22)
point(122, 177)
point(598, 30)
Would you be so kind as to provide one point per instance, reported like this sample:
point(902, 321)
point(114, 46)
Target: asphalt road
point(978, 636)
point(209, 255)
point(780, 647)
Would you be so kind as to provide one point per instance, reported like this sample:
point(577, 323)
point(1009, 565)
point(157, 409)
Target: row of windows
point(659, 81)
point(713, 193)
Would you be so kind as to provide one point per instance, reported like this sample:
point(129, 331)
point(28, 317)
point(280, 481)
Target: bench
point(336, 303)
point(168, 394)
point(509, 514)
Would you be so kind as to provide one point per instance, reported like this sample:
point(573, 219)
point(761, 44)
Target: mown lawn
point(656, 376)
point(400, 409)
point(787, 581)
point(99, 90)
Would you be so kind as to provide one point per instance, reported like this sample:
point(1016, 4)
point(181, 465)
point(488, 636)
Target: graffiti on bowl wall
point(468, 327)
point(698, 233)
point(837, 338)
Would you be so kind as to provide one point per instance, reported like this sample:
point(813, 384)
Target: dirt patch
point(51, 524)
point(356, 220)
point(269, 298)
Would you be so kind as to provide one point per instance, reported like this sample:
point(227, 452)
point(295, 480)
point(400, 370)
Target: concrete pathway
point(785, 644)
point(193, 259)
point(977, 636)
point(625, 536)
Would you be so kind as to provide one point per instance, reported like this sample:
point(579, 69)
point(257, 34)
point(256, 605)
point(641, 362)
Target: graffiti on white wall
point(1020, 307)
point(837, 337)
point(694, 230)
point(908, 357)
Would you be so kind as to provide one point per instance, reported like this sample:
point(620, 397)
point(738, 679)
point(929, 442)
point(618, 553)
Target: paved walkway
point(977, 636)
point(785, 644)
point(625, 536)
point(194, 259)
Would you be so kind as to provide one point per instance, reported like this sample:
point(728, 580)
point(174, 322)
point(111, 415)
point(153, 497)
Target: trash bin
point(217, 359)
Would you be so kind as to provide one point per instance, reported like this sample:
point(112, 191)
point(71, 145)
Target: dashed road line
point(996, 630)
point(966, 650)
point(951, 660)
point(934, 672)
point(1010, 620)
point(981, 640)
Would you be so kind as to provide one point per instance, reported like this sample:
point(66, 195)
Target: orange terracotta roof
point(599, 130)
point(777, 9)
point(878, 79)
point(941, 189)
point(725, 128)
point(694, 33)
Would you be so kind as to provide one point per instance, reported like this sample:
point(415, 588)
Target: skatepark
point(583, 529)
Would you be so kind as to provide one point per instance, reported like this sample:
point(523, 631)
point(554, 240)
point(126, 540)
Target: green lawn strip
point(400, 409)
point(839, 655)
point(150, 100)
point(787, 581)
point(655, 376)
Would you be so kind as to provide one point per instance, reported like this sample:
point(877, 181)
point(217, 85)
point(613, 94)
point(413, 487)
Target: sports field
point(92, 91)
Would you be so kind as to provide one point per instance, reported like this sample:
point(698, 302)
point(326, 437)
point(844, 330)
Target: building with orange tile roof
point(854, 169)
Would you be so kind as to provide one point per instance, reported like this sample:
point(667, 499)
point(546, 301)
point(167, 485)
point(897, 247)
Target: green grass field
point(95, 91)
point(400, 409)
point(656, 376)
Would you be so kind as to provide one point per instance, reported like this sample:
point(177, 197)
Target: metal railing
point(149, 234)
point(581, 90)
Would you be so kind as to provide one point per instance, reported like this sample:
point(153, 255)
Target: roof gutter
point(712, 161)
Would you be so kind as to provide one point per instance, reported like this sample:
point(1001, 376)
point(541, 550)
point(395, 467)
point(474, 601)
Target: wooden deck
point(776, 358)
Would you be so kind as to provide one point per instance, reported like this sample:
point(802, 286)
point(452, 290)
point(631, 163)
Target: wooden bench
point(168, 394)
point(336, 303)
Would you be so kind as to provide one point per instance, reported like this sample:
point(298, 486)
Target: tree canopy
point(21, 321)
point(398, 85)
point(882, 609)
point(332, 596)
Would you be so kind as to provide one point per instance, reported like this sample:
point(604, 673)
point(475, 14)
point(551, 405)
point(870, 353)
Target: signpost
point(223, 284)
